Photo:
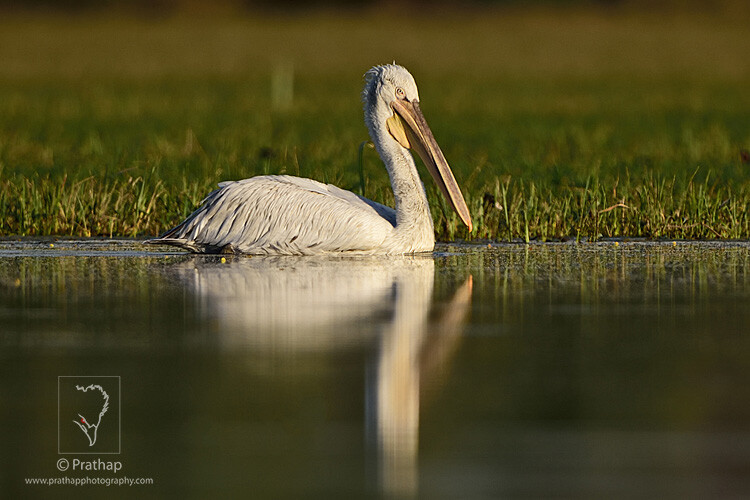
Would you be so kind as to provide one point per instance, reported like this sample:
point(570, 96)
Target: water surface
point(616, 369)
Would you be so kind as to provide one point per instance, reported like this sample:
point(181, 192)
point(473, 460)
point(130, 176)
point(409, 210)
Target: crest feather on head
point(373, 77)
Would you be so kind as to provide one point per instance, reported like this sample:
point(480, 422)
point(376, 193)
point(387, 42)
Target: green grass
point(557, 124)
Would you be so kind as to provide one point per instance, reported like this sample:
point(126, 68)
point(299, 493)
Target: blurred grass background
point(559, 119)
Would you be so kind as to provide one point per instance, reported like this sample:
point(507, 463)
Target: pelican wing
point(282, 214)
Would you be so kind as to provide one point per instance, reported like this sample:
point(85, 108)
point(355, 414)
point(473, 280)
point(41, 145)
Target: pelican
point(285, 215)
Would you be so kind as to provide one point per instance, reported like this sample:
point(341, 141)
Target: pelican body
point(286, 215)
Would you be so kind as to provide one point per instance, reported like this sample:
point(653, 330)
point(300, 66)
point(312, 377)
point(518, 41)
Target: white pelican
point(285, 215)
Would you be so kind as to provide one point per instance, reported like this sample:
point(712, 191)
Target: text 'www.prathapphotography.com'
point(89, 481)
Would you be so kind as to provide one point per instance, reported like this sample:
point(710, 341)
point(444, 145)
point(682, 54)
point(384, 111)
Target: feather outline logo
point(94, 405)
point(83, 423)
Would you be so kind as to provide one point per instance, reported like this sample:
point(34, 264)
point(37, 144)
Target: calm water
point(551, 370)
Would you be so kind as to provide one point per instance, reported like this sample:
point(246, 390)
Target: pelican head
point(395, 121)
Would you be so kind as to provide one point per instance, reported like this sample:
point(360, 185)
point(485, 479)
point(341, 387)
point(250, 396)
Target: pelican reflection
point(299, 304)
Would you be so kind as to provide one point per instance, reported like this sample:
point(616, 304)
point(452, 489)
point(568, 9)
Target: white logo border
point(119, 416)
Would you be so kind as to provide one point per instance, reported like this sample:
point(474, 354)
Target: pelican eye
point(400, 93)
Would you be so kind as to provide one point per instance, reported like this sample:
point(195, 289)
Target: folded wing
point(282, 214)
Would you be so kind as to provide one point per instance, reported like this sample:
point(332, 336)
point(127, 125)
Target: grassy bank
point(557, 123)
